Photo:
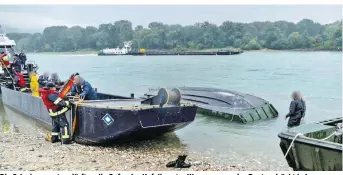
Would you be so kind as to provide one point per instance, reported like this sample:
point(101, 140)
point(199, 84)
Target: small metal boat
point(314, 146)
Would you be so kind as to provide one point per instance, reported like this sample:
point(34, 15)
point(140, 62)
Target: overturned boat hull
point(234, 106)
point(114, 119)
point(313, 147)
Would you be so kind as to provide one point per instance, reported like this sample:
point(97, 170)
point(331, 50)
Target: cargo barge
point(234, 106)
point(314, 146)
point(108, 120)
point(127, 50)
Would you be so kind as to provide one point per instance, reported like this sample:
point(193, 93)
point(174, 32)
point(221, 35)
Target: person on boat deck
point(83, 89)
point(5, 63)
point(57, 108)
point(56, 80)
point(34, 84)
point(296, 110)
point(16, 65)
point(23, 58)
point(43, 79)
point(20, 82)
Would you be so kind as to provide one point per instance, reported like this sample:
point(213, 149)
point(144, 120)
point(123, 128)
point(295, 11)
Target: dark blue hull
point(129, 124)
point(108, 121)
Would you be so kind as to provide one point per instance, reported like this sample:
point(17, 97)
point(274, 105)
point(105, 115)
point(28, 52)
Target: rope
point(74, 120)
point(300, 134)
point(328, 136)
point(290, 146)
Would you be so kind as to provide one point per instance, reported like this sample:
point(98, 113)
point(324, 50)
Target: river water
point(269, 75)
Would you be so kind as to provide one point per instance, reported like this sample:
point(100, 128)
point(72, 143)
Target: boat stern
point(127, 119)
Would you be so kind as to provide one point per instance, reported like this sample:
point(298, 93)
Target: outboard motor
point(165, 97)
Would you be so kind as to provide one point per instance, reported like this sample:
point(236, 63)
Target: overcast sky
point(35, 17)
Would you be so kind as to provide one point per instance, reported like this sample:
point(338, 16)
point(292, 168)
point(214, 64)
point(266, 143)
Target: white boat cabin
point(6, 45)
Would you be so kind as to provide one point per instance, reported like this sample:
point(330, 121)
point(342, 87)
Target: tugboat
point(116, 51)
point(314, 146)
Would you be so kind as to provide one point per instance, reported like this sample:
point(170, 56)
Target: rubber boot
point(54, 139)
point(66, 141)
point(181, 162)
point(66, 136)
point(172, 163)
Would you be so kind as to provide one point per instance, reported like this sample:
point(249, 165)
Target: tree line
point(280, 35)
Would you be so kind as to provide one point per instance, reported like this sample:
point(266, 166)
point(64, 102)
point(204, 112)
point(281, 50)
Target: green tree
point(306, 34)
point(252, 45)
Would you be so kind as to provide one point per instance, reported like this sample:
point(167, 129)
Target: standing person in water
point(304, 105)
point(296, 110)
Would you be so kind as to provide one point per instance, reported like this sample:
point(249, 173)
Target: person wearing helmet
point(57, 108)
point(56, 80)
point(43, 79)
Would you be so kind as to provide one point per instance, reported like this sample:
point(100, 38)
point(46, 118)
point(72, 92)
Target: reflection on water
point(272, 76)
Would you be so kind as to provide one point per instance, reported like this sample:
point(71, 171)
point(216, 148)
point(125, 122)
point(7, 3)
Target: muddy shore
point(29, 151)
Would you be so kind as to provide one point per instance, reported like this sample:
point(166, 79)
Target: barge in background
point(314, 146)
point(234, 106)
point(127, 50)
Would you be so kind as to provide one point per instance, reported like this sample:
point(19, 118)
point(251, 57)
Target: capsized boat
point(234, 106)
point(314, 146)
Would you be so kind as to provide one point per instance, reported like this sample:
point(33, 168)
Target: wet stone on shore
point(29, 151)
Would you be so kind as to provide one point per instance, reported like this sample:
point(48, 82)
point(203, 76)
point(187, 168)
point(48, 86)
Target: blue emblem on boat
point(107, 119)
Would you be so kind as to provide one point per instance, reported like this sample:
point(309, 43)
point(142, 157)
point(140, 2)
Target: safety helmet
point(50, 85)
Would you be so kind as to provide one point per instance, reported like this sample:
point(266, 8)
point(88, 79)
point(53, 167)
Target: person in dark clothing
point(296, 110)
point(56, 80)
point(16, 65)
point(43, 79)
point(23, 58)
point(57, 108)
point(83, 89)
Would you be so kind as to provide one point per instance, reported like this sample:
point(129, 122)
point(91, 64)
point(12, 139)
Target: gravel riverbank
point(30, 151)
